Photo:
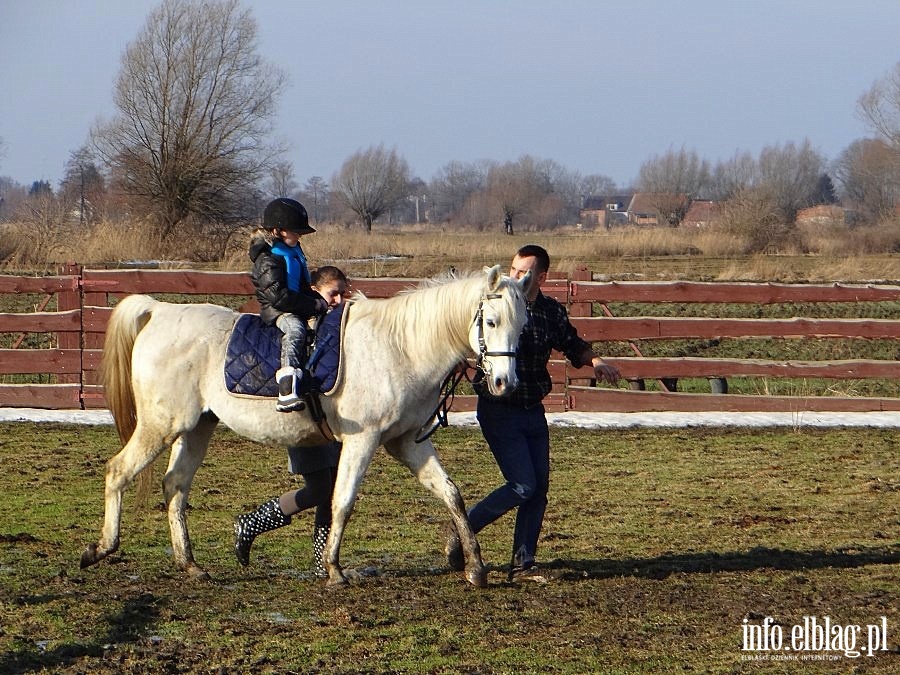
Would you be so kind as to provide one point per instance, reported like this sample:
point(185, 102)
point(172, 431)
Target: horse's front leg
point(423, 461)
point(356, 455)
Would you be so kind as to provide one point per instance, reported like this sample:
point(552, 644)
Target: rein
point(443, 407)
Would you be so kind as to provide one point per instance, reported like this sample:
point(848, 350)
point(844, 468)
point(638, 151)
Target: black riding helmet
point(286, 214)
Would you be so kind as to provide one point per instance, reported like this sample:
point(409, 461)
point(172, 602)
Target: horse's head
point(494, 335)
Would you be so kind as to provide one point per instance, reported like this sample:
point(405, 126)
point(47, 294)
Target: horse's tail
point(127, 320)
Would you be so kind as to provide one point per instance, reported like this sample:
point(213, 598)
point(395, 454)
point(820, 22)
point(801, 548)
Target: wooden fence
point(73, 332)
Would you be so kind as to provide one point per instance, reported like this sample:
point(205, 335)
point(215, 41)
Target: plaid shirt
point(546, 328)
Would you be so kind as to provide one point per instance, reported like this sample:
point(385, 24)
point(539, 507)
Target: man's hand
point(605, 372)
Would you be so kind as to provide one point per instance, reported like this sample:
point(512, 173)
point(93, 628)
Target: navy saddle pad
point(254, 354)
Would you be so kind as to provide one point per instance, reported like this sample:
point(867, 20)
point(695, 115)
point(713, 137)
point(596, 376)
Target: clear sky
point(598, 86)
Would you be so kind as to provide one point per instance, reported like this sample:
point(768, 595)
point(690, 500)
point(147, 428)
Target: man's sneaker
point(532, 573)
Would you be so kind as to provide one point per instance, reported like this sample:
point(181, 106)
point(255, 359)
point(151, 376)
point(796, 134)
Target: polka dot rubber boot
point(320, 536)
point(248, 526)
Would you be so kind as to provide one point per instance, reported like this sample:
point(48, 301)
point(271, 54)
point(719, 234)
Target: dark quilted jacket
point(269, 275)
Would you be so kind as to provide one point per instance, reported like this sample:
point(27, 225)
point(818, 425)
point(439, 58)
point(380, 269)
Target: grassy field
point(814, 254)
point(663, 543)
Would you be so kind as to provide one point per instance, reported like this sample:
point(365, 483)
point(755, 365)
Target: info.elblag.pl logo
point(813, 639)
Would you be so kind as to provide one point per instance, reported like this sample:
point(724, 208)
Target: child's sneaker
point(288, 387)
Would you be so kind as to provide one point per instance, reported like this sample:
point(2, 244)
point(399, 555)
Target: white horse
point(163, 376)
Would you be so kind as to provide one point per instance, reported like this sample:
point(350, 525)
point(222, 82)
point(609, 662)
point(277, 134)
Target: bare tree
point(561, 203)
point(880, 108)
point(195, 105)
point(83, 187)
point(2, 190)
point(674, 178)
point(869, 177)
point(677, 172)
point(281, 180)
point(315, 196)
point(13, 197)
point(735, 175)
point(517, 188)
point(45, 217)
point(597, 185)
point(371, 182)
point(752, 214)
point(790, 175)
point(453, 185)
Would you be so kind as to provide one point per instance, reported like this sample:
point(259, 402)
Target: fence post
point(577, 308)
point(66, 301)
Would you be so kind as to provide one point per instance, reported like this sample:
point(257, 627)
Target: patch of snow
point(601, 420)
point(585, 420)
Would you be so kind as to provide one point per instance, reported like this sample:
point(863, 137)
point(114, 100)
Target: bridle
point(482, 345)
point(448, 388)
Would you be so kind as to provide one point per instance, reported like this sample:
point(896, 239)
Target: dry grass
point(836, 240)
point(812, 268)
point(824, 253)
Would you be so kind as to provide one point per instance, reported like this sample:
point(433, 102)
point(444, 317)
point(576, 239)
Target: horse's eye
point(491, 323)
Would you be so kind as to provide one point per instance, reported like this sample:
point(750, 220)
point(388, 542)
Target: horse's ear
point(526, 282)
point(493, 277)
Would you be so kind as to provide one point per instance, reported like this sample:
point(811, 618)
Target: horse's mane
point(417, 320)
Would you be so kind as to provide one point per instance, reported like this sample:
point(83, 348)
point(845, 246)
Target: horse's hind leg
point(422, 460)
point(188, 452)
point(140, 450)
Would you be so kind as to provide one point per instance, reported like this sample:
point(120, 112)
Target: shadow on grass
point(662, 566)
point(127, 626)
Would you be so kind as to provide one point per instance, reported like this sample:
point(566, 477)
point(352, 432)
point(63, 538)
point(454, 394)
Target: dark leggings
point(316, 492)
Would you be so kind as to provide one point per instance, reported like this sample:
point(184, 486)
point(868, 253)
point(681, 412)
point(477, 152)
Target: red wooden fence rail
point(84, 297)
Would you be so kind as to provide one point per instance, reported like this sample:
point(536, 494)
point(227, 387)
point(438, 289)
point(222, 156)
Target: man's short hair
point(537, 252)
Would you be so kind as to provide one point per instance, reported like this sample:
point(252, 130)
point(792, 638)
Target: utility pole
point(81, 210)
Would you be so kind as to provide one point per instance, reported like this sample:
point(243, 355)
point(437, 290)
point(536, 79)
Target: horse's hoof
point(197, 573)
point(477, 578)
point(339, 581)
point(89, 557)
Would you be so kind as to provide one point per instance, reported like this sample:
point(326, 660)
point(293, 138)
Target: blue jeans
point(293, 340)
point(520, 442)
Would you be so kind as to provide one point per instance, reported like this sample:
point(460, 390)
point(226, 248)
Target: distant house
point(822, 214)
point(657, 208)
point(702, 212)
point(604, 212)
